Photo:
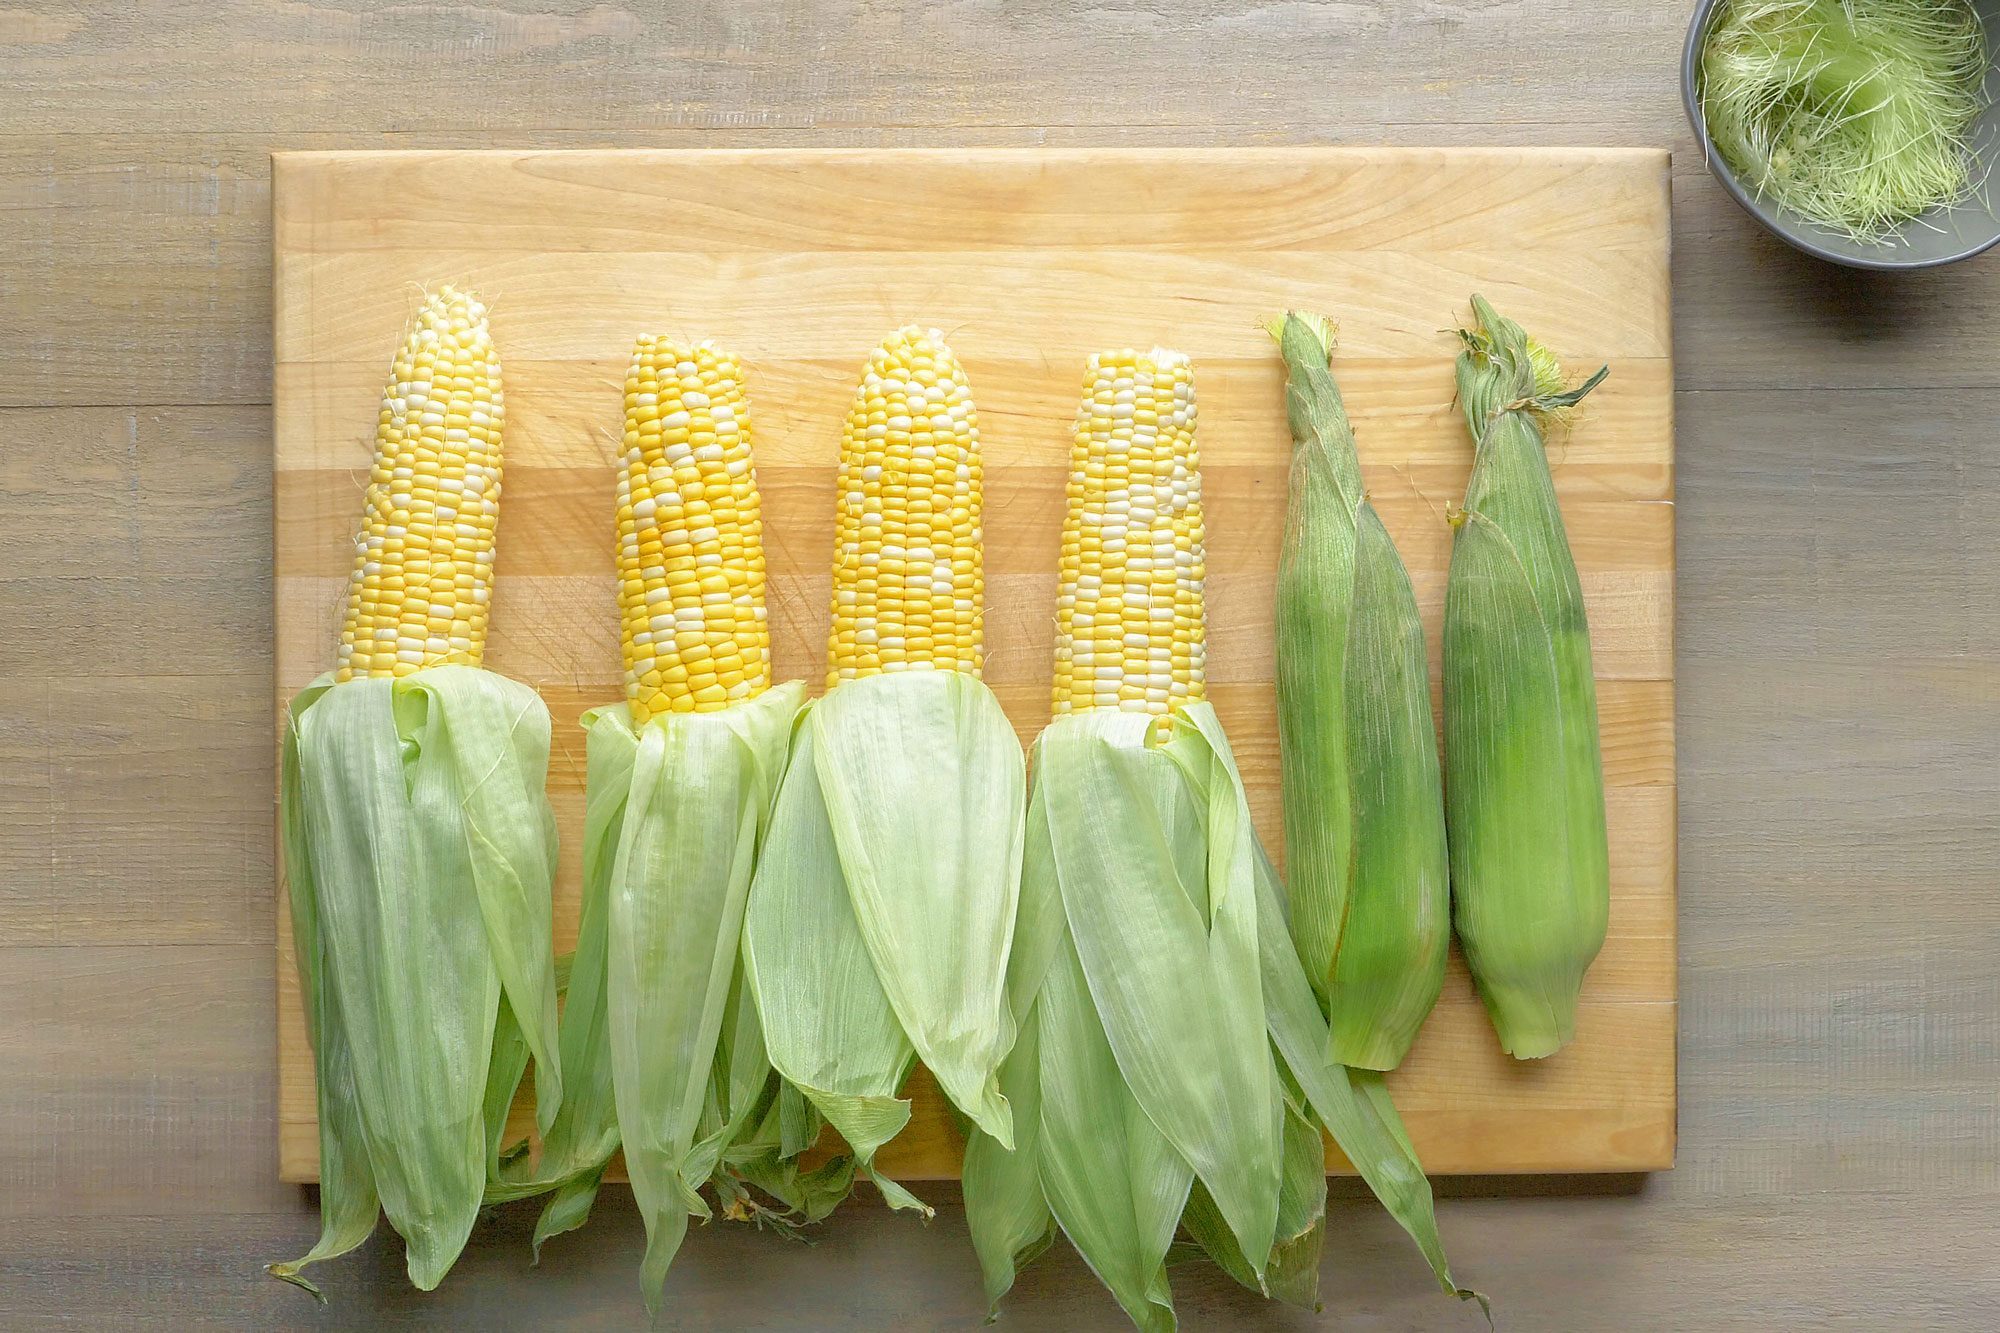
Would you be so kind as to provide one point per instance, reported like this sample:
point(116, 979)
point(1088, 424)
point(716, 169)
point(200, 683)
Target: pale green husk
point(419, 851)
point(1855, 114)
point(675, 813)
point(882, 912)
point(1364, 813)
point(1152, 1043)
point(1524, 784)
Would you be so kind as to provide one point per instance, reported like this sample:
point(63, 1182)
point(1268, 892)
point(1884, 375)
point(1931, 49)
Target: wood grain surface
point(1836, 650)
point(799, 262)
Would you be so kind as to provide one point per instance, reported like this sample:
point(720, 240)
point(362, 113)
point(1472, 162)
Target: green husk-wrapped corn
point(1364, 817)
point(1524, 783)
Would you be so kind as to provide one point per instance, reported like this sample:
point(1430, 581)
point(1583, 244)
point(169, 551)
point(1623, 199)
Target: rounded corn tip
point(1130, 628)
point(908, 572)
point(423, 565)
point(690, 555)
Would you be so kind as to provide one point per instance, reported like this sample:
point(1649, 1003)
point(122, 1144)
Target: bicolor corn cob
point(1130, 629)
point(423, 563)
point(1524, 783)
point(908, 582)
point(690, 535)
point(1364, 818)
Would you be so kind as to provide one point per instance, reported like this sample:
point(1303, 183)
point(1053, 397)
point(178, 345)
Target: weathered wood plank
point(135, 651)
point(128, 1088)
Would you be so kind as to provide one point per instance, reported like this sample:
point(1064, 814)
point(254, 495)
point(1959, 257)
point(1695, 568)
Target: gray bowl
point(1941, 236)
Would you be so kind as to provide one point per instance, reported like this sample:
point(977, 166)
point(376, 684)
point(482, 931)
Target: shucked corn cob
point(419, 902)
point(1524, 789)
point(690, 536)
point(908, 584)
point(880, 919)
point(680, 782)
point(423, 564)
point(1136, 972)
point(1130, 633)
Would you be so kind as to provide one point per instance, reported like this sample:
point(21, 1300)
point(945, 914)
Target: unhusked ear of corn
point(882, 914)
point(1524, 783)
point(419, 845)
point(663, 1061)
point(1364, 815)
point(423, 564)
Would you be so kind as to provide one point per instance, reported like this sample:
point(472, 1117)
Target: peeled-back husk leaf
point(1364, 817)
point(585, 1133)
point(1351, 1104)
point(348, 1202)
point(923, 786)
point(1162, 910)
point(421, 852)
point(1292, 1276)
point(827, 1024)
point(1525, 796)
point(1005, 1210)
point(1146, 850)
point(1113, 1181)
point(700, 786)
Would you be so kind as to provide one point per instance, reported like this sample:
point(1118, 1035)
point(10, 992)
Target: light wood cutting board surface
point(1029, 261)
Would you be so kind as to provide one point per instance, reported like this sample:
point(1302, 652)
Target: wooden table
point(1839, 658)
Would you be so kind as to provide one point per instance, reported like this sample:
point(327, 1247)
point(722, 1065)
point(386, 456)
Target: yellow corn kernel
point(1130, 628)
point(690, 535)
point(423, 563)
point(908, 585)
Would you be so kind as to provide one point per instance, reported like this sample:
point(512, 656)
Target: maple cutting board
point(1030, 260)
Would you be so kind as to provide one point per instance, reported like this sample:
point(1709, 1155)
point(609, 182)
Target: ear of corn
point(1524, 781)
point(423, 564)
point(908, 574)
point(419, 844)
point(690, 535)
point(1130, 632)
point(1151, 1066)
point(681, 777)
point(1364, 815)
point(880, 922)
point(1171, 1038)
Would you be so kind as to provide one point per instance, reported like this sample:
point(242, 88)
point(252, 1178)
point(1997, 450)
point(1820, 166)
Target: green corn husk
point(883, 908)
point(701, 788)
point(676, 811)
point(419, 852)
point(1524, 788)
point(1127, 1033)
point(1136, 986)
point(1364, 815)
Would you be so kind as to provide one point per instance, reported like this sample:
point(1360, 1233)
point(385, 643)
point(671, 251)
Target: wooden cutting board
point(801, 261)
